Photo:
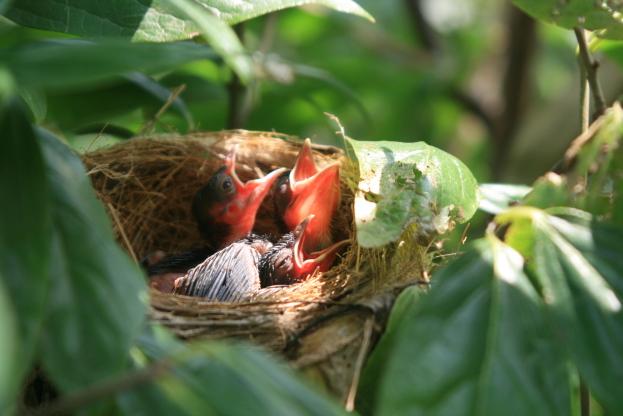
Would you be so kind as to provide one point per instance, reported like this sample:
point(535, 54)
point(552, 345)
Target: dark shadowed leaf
point(604, 17)
point(406, 183)
point(372, 376)
point(25, 227)
point(9, 357)
point(580, 267)
point(97, 297)
point(45, 64)
point(95, 108)
point(225, 379)
point(496, 197)
point(477, 344)
point(36, 102)
point(152, 20)
point(162, 94)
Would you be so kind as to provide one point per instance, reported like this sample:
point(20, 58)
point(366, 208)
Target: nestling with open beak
point(305, 191)
point(225, 210)
point(288, 262)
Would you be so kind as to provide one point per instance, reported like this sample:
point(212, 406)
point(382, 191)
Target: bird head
point(225, 208)
point(288, 262)
point(305, 191)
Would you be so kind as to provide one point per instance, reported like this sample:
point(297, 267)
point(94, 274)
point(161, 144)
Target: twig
point(149, 126)
point(589, 81)
point(590, 67)
point(236, 118)
point(115, 216)
point(365, 345)
point(70, 403)
point(585, 99)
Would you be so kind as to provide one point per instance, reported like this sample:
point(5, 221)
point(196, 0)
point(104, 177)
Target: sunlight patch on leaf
point(409, 183)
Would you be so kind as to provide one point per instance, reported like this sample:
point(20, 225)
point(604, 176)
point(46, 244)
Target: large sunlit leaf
point(580, 267)
point(602, 16)
point(9, 357)
point(97, 296)
point(476, 344)
point(225, 379)
point(24, 227)
point(219, 35)
point(409, 183)
point(72, 62)
point(148, 20)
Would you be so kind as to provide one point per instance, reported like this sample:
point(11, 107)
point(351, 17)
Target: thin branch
point(361, 357)
point(429, 41)
point(149, 126)
point(72, 402)
point(425, 33)
point(585, 99)
point(521, 46)
point(589, 81)
point(590, 67)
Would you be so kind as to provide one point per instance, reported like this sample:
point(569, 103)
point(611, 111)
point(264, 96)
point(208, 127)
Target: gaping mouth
point(315, 192)
point(241, 210)
point(321, 260)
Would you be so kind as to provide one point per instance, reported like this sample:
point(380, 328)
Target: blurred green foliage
point(477, 78)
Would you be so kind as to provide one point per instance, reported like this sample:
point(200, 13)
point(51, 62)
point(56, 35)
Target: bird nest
point(324, 326)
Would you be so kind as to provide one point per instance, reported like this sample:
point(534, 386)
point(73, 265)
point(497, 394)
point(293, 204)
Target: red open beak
point(241, 212)
point(306, 264)
point(313, 192)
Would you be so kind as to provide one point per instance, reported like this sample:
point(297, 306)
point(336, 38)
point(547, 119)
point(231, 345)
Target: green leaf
point(73, 62)
point(372, 376)
point(76, 110)
point(603, 17)
point(36, 101)
point(598, 165)
point(232, 379)
point(148, 20)
point(580, 268)
point(477, 344)
point(405, 183)
point(219, 35)
point(97, 297)
point(550, 190)
point(25, 225)
point(496, 197)
point(9, 356)
point(4, 5)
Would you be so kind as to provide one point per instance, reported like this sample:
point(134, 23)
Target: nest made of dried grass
point(325, 325)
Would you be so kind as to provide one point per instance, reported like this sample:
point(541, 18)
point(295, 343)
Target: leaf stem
point(590, 69)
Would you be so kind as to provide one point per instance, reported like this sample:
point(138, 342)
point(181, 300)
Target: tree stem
point(590, 68)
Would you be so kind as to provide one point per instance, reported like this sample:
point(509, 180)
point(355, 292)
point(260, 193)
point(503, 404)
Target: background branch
point(590, 70)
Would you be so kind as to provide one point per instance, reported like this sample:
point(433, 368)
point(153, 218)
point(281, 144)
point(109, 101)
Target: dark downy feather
point(179, 262)
point(229, 275)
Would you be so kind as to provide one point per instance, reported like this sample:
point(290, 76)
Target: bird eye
point(227, 185)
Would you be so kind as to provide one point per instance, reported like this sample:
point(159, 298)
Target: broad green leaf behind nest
point(409, 183)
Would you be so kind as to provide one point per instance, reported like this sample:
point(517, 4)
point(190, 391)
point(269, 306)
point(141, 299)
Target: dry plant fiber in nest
point(325, 325)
